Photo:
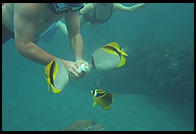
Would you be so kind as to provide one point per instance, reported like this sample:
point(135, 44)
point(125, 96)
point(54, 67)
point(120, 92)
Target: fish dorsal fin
point(94, 103)
point(47, 69)
point(123, 52)
point(114, 45)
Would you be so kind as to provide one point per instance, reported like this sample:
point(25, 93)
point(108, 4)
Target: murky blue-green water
point(153, 91)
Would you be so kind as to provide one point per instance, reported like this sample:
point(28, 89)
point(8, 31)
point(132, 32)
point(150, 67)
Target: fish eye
point(100, 94)
point(94, 93)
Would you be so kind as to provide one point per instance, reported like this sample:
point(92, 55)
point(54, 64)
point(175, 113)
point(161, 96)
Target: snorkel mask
point(60, 8)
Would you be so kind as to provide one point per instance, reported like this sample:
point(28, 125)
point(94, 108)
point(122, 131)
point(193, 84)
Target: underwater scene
point(141, 79)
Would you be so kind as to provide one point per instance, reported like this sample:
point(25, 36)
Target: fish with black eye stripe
point(108, 57)
point(103, 98)
point(56, 76)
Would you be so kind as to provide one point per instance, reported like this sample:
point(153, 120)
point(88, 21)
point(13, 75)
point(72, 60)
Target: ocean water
point(154, 91)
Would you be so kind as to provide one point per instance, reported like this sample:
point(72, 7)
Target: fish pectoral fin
point(94, 103)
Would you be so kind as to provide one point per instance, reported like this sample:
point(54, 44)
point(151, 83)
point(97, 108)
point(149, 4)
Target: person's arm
point(25, 16)
point(85, 10)
point(76, 41)
point(120, 7)
point(73, 27)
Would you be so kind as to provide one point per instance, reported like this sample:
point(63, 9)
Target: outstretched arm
point(76, 41)
point(120, 7)
point(24, 31)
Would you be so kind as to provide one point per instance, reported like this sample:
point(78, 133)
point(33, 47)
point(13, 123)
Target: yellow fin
point(109, 51)
point(47, 76)
point(107, 107)
point(55, 72)
point(55, 90)
point(94, 103)
point(122, 61)
point(47, 68)
point(123, 52)
point(114, 45)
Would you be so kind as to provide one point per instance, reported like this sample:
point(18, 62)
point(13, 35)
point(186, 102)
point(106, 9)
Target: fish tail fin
point(123, 52)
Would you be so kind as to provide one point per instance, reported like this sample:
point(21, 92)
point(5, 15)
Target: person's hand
point(72, 69)
point(78, 64)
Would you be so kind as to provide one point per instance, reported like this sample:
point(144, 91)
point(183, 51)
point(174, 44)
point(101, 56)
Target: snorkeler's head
point(60, 8)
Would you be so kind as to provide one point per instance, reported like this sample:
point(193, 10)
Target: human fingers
point(74, 72)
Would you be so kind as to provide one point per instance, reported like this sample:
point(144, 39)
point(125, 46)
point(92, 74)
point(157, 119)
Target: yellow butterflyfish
point(103, 98)
point(56, 75)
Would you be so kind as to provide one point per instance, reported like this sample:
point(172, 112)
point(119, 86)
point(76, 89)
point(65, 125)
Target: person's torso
point(44, 20)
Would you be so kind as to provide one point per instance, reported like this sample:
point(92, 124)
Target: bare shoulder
point(87, 8)
point(27, 8)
